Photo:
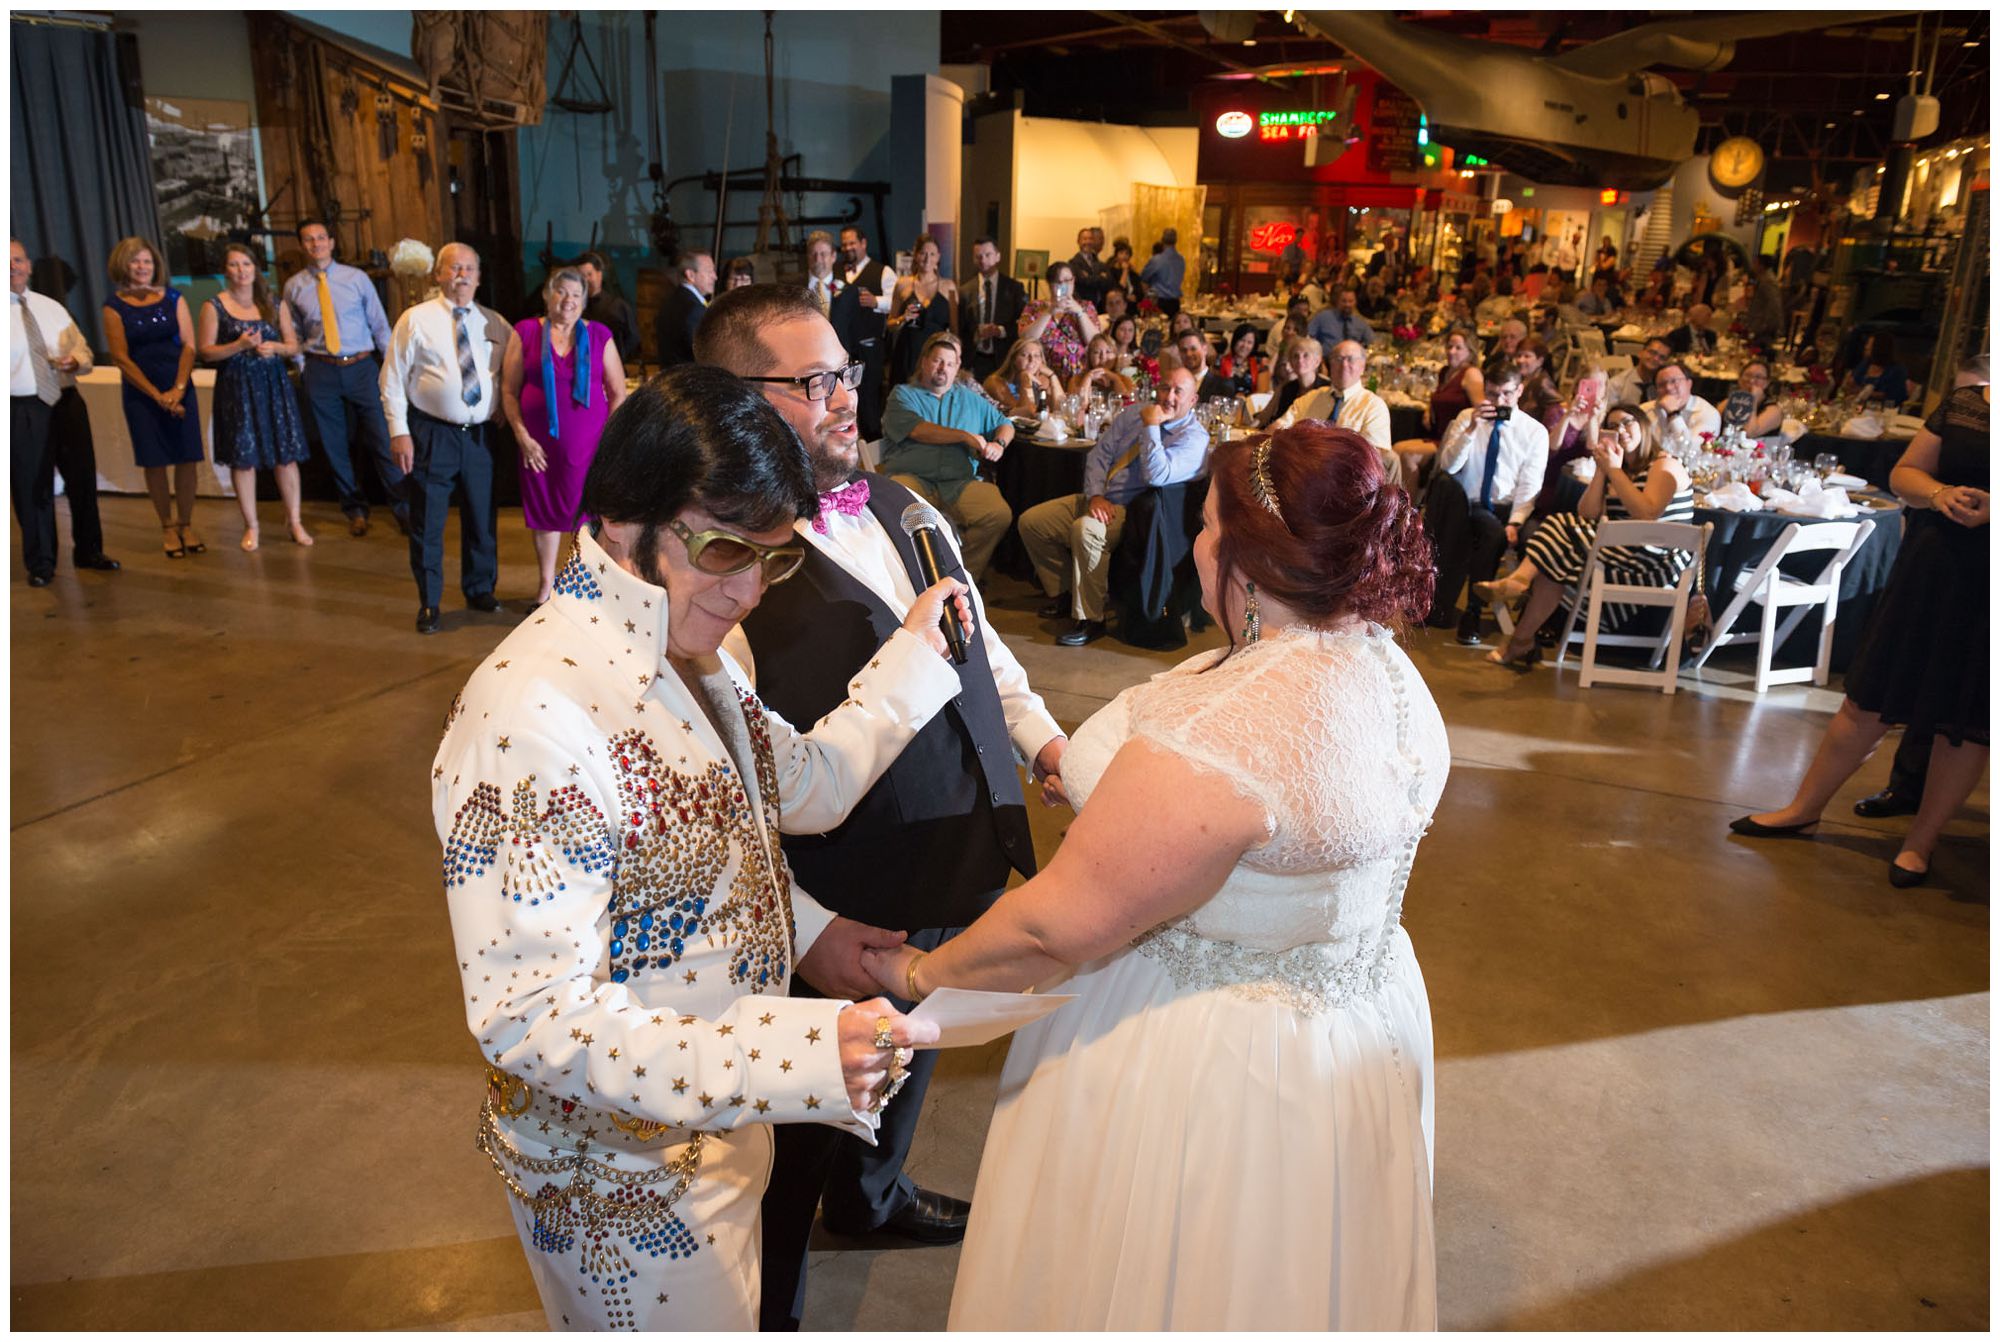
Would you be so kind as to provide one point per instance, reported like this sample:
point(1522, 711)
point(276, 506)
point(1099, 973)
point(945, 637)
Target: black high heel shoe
point(1903, 878)
point(1750, 829)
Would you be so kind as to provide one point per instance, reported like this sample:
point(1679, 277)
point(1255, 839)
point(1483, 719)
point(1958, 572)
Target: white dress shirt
point(1360, 410)
point(1701, 415)
point(860, 545)
point(872, 274)
point(59, 337)
point(421, 369)
point(1524, 456)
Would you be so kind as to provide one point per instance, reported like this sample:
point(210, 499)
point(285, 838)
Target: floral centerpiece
point(413, 264)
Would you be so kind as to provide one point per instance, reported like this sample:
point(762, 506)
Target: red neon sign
point(1273, 237)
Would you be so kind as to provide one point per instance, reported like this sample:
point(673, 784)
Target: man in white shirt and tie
point(1677, 412)
point(1346, 404)
point(821, 282)
point(932, 844)
point(45, 352)
point(1489, 466)
point(989, 310)
point(440, 390)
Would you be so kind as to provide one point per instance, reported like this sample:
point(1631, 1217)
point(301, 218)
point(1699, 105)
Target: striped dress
point(1561, 545)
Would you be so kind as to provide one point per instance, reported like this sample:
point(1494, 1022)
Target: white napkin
point(1054, 430)
point(1904, 426)
point(1792, 430)
point(1734, 497)
point(1846, 481)
point(1811, 501)
point(1862, 426)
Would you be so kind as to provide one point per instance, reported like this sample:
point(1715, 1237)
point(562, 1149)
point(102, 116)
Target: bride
point(1230, 1128)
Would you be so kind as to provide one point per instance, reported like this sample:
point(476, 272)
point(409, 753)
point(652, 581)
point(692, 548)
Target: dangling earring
point(1252, 628)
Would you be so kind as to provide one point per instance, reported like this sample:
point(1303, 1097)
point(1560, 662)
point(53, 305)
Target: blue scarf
point(581, 391)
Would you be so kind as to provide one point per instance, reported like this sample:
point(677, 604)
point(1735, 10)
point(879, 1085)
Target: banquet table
point(1028, 473)
point(1870, 458)
point(1740, 542)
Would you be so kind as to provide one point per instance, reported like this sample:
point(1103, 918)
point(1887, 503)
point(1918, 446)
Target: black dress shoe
point(1054, 608)
point(1441, 619)
point(40, 579)
point(1082, 632)
point(1468, 635)
point(1887, 802)
point(929, 1218)
point(485, 601)
point(1903, 878)
point(427, 620)
point(357, 525)
point(103, 563)
point(1750, 829)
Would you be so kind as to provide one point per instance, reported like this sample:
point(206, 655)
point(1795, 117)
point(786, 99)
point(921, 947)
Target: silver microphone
point(925, 528)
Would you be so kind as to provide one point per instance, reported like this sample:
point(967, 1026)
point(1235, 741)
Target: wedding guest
point(1539, 396)
point(1345, 403)
point(860, 317)
point(256, 413)
point(1633, 478)
point(1242, 363)
point(1676, 411)
point(1489, 466)
point(647, 837)
point(45, 354)
point(1070, 539)
point(1163, 276)
point(1696, 335)
point(1606, 264)
point(1570, 440)
point(1295, 375)
point(935, 433)
point(1506, 345)
point(1597, 302)
point(812, 639)
point(1116, 304)
point(988, 317)
point(560, 380)
point(821, 282)
point(682, 308)
point(340, 322)
point(1876, 373)
point(1064, 325)
point(739, 272)
point(608, 309)
point(1118, 272)
point(150, 333)
point(1766, 415)
point(1192, 349)
point(1215, 1135)
point(923, 304)
point(1923, 662)
point(1460, 387)
point(1024, 384)
point(1340, 322)
point(1100, 371)
point(1125, 339)
point(1634, 386)
point(1092, 276)
point(1764, 317)
point(440, 394)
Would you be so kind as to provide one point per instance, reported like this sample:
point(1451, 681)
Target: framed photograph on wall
point(205, 175)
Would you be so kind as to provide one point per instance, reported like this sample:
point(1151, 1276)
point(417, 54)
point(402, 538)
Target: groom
point(931, 845)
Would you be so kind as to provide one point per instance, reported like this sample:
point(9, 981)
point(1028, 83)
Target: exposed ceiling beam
point(1154, 30)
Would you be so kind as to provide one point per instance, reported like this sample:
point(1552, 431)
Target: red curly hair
point(1348, 543)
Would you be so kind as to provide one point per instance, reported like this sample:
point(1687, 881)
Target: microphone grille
point(920, 515)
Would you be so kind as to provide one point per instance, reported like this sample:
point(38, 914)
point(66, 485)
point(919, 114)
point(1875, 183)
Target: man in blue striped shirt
point(344, 332)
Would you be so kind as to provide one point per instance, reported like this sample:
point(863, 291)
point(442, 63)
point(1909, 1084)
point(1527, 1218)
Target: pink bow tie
point(849, 498)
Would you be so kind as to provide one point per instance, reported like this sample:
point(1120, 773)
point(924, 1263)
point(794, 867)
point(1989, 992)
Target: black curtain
point(82, 171)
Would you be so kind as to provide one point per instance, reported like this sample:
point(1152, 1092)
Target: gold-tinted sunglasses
point(724, 552)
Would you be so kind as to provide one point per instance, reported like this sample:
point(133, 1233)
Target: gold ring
point(884, 1037)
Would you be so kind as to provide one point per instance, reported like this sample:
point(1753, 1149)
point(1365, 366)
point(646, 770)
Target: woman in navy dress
point(257, 424)
point(151, 336)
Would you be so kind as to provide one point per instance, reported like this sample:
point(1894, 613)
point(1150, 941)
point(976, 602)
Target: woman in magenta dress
point(561, 380)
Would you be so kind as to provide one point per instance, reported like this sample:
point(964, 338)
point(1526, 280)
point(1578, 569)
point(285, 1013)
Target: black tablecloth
point(1027, 474)
point(1406, 421)
point(1870, 458)
point(1739, 544)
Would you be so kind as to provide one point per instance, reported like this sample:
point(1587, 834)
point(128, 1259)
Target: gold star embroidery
point(755, 1055)
point(680, 1084)
point(725, 1029)
point(576, 1034)
point(684, 1044)
point(763, 1106)
point(638, 1071)
point(785, 1065)
point(876, 662)
point(812, 1036)
point(689, 976)
point(656, 1020)
point(568, 661)
point(706, 1099)
point(728, 1064)
point(437, 773)
point(645, 679)
point(663, 1297)
point(766, 1018)
point(631, 628)
point(687, 1020)
point(574, 771)
point(614, 1055)
point(737, 1099)
point(812, 1101)
point(505, 744)
point(500, 666)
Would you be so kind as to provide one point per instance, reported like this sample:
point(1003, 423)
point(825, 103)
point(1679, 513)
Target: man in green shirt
point(935, 433)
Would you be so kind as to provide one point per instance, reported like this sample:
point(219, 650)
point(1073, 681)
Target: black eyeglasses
point(722, 553)
point(819, 386)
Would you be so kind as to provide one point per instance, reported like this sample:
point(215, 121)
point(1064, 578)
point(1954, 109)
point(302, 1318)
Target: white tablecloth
point(117, 473)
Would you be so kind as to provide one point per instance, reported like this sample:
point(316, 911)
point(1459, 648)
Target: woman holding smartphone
point(1063, 325)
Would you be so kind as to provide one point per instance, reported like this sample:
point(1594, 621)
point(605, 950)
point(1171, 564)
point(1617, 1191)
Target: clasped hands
point(875, 1038)
point(1964, 504)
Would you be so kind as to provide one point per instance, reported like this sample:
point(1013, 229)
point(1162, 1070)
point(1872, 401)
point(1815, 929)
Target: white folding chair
point(871, 456)
point(1598, 592)
point(1774, 590)
point(1614, 364)
point(1591, 341)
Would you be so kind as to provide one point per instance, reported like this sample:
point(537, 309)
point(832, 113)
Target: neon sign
point(1273, 238)
point(1233, 125)
point(1296, 125)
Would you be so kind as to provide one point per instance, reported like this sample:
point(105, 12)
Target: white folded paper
point(1904, 426)
point(965, 1017)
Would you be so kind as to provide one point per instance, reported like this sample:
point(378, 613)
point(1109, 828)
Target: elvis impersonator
point(609, 794)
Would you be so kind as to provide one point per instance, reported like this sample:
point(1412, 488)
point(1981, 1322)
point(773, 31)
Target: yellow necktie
point(328, 326)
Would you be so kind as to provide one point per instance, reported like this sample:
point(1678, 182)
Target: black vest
point(931, 844)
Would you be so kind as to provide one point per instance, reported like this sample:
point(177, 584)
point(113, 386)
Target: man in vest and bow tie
point(989, 311)
point(933, 843)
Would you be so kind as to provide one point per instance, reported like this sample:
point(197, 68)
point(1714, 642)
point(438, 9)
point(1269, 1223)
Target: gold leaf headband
point(1261, 488)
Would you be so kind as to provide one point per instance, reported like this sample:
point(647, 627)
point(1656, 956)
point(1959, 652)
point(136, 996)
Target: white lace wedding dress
point(1230, 1128)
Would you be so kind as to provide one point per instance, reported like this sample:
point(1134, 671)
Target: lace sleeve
point(1334, 736)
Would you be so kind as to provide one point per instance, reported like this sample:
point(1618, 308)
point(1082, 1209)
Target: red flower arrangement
point(1148, 308)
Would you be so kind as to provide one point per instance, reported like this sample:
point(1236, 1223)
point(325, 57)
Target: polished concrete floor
point(1684, 1080)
